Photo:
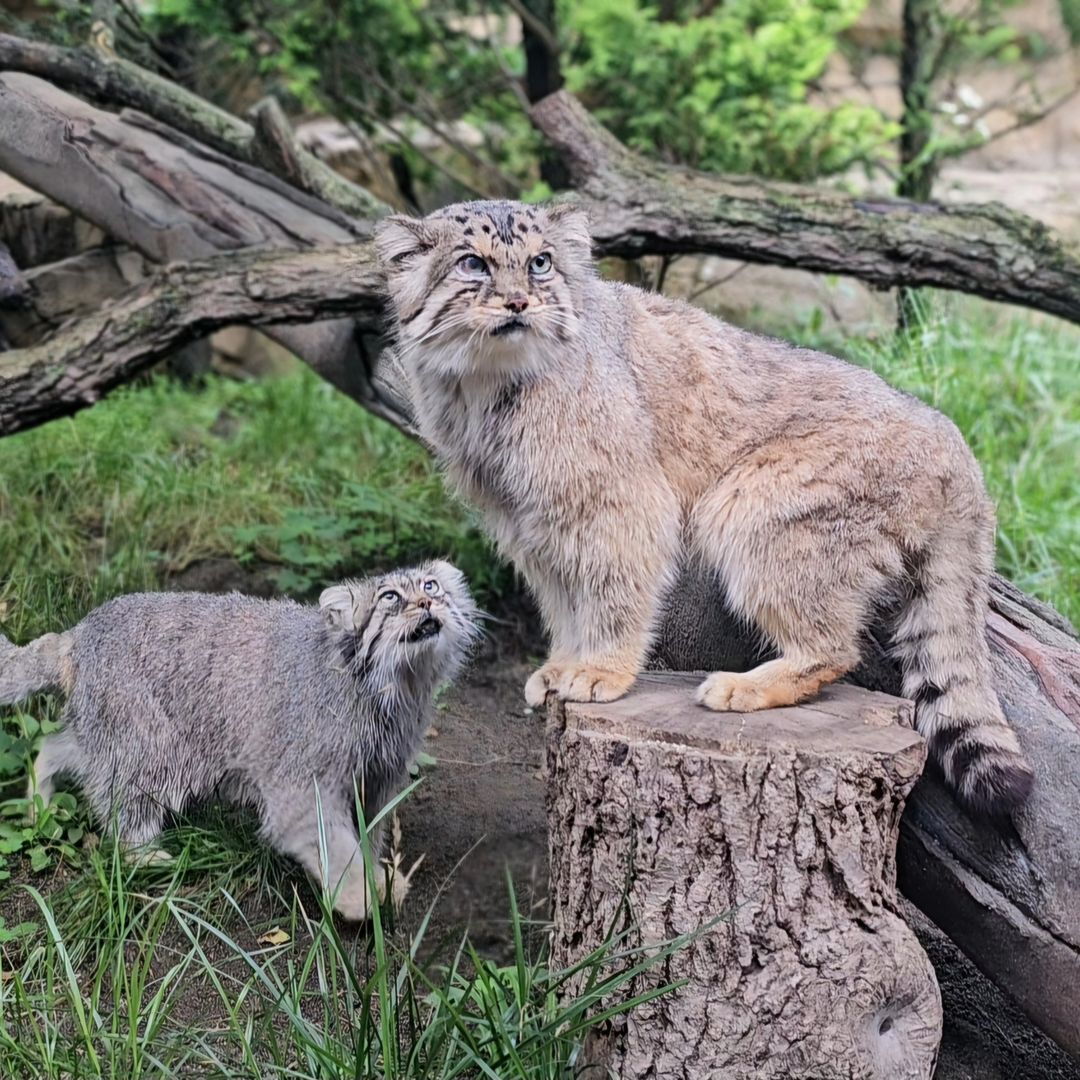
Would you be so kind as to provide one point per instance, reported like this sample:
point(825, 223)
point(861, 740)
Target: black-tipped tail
point(989, 778)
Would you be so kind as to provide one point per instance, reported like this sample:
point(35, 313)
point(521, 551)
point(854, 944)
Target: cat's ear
point(568, 227)
point(337, 605)
point(398, 237)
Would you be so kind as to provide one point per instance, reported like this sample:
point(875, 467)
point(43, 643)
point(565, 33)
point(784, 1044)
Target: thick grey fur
point(175, 698)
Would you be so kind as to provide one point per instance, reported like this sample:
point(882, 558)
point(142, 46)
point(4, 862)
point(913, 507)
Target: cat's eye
point(540, 264)
point(431, 587)
point(472, 264)
point(390, 595)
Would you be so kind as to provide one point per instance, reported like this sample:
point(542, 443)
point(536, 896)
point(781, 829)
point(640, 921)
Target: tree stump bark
point(663, 816)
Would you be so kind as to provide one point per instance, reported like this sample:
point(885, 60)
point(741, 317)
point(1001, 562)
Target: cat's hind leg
point(139, 820)
point(808, 576)
point(59, 753)
point(326, 844)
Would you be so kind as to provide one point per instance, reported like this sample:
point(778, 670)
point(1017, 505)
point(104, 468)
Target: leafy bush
point(725, 90)
point(717, 86)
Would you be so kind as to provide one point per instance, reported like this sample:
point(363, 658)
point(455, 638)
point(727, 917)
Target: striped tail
point(940, 640)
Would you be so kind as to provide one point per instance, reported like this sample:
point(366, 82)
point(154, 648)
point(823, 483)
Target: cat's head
point(420, 621)
point(486, 287)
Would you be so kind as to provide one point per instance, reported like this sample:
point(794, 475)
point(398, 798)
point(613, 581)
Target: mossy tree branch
point(119, 82)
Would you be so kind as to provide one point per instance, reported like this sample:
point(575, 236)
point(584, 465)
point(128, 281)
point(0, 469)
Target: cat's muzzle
point(428, 628)
point(509, 327)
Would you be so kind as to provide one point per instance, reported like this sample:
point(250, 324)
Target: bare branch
point(638, 207)
point(120, 82)
point(177, 305)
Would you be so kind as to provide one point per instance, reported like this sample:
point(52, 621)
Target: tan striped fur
point(609, 434)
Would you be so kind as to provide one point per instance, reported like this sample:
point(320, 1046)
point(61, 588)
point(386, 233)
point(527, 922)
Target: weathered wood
point(171, 199)
point(68, 289)
point(14, 289)
point(664, 816)
point(119, 82)
point(36, 230)
point(639, 207)
point(1012, 902)
point(178, 305)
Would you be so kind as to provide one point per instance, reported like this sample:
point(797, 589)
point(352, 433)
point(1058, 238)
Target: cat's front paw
point(583, 682)
point(540, 683)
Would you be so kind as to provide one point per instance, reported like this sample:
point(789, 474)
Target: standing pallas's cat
point(173, 698)
point(608, 433)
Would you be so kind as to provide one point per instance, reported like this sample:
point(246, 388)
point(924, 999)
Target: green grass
point(164, 971)
point(145, 976)
point(158, 477)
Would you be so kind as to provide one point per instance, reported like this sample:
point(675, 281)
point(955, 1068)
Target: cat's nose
point(517, 303)
point(424, 603)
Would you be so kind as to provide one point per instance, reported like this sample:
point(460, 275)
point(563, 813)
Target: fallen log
point(179, 305)
point(69, 289)
point(172, 199)
point(121, 83)
point(664, 817)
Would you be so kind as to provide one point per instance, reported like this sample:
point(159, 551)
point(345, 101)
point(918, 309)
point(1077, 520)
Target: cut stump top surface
point(841, 719)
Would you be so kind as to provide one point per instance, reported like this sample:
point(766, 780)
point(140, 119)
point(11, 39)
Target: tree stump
point(663, 816)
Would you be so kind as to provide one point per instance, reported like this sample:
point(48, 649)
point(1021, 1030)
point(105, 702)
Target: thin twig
point(537, 26)
point(719, 281)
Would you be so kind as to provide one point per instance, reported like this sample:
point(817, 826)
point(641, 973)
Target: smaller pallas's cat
point(174, 698)
point(609, 434)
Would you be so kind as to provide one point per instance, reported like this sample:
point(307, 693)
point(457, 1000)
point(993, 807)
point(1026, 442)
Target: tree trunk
point(540, 43)
point(664, 817)
point(1011, 902)
point(918, 163)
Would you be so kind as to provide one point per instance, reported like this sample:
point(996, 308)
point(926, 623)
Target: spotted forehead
point(492, 229)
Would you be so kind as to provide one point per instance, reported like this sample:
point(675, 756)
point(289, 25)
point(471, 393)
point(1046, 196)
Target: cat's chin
point(510, 355)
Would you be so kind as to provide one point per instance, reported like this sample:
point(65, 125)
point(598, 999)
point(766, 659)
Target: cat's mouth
point(429, 628)
point(509, 327)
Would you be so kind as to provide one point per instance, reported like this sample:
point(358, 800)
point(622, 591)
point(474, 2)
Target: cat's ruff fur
point(177, 697)
point(608, 433)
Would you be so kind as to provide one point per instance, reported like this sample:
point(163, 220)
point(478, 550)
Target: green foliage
point(157, 478)
point(720, 86)
point(42, 833)
point(1070, 16)
point(959, 41)
point(726, 90)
